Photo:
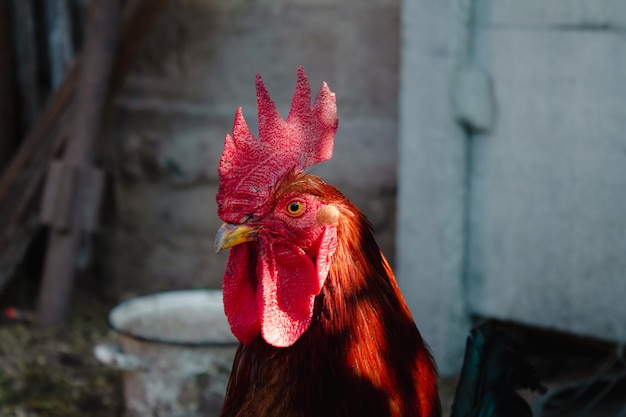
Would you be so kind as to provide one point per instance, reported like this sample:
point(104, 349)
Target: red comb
point(250, 168)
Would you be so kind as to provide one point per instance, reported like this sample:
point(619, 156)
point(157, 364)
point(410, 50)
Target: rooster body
point(324, 329)
point(361, 355)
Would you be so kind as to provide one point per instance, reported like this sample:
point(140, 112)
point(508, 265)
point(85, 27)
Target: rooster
point(323, 326)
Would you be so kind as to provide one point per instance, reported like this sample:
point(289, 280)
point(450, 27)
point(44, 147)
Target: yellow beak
point(230, 235)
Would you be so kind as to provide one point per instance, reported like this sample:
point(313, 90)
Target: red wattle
point(288, 286)
point(270, 288)
point(239, 287)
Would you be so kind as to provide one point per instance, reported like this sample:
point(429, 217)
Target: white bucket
point(176, 350)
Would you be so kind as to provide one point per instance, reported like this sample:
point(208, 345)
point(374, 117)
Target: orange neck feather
point(362, 354)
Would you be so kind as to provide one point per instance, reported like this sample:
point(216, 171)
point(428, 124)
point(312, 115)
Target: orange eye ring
point(295, 208)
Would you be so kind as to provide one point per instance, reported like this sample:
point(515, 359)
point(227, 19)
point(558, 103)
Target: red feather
point(362, 354)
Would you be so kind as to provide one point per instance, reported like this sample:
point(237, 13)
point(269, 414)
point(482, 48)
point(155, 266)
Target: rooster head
point(280, 228)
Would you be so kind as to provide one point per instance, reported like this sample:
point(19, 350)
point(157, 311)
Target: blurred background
point(483, 139)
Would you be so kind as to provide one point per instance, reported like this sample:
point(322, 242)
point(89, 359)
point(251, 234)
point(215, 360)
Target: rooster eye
point(295, 208)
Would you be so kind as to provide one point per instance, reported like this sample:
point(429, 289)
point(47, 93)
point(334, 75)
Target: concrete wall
point(547, 235)
point(432, 172)
point(512, 167)
point(169, 123)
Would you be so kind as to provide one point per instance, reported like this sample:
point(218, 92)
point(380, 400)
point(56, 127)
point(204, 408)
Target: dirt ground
point(50, 373)
point(53, 373)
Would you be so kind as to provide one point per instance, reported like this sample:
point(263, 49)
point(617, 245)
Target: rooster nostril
point(245, 219)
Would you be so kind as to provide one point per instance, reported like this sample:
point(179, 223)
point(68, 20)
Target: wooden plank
point(93, 82)
point(22, 178)
point(21, 181)
point(58, 196)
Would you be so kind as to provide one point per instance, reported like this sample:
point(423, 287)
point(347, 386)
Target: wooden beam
point(65, 237)
point(22, 178)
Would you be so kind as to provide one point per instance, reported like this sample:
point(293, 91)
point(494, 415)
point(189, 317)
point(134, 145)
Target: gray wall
point(512, 167)
point(178, 103)
point(431, 186)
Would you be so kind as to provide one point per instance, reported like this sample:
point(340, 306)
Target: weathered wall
point(547, 235)
point(169, 123)
point(431, 187)
point(521, 220)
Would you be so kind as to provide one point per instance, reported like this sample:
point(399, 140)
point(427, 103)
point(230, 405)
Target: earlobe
point(328, 215)
point(240, 294)
point(327, 248)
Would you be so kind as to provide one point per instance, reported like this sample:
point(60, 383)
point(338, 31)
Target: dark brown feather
point(362, 355)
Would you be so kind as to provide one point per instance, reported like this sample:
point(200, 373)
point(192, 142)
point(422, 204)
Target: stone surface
point(163, 239)
point(178, 103)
